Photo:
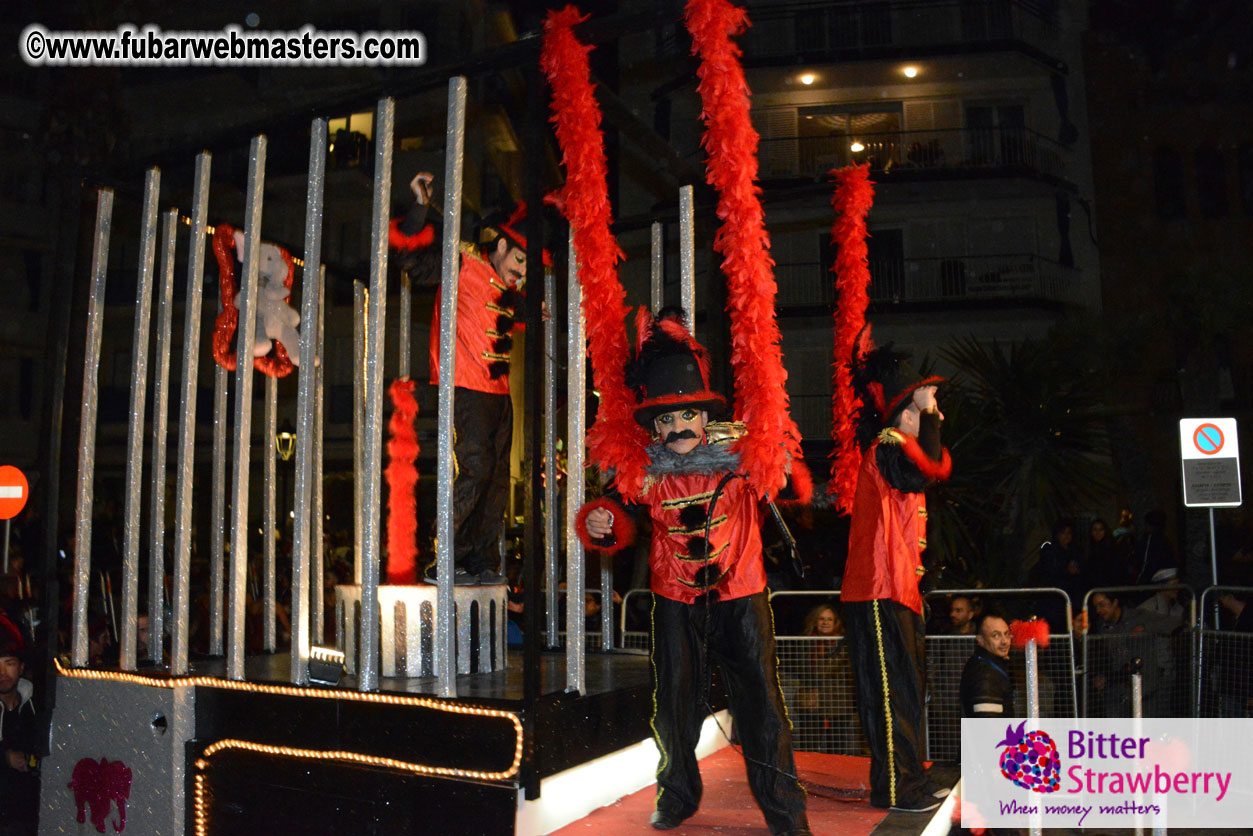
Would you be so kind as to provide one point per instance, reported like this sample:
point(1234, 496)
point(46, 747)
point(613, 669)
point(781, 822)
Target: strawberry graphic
point(1030, 759)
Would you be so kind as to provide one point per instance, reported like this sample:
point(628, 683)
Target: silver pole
point(360, 300)
point(135, 431)
point(606, 602)
point(657, 270)
point(687, 257)
point(372, 490)
point(160, 432)
point(1033, 681)
point(304, 551)
point(6, 546)
point(269, 522)
point(1137, 727)
point(318, 615)
point(218, 522)
point(244, 336)
point(180, 629)
point(1213, 556)
point(1033, 710)
point(87, 425)
point(405, 325)
point(576, 350)
point(445, 613)
point(551, 550)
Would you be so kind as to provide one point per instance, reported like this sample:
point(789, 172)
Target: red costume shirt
point(678, 490)
point(680, 567)
point(481, 365)
point(888, 530)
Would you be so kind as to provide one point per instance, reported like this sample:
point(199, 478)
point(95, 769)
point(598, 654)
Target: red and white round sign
point(14, 491)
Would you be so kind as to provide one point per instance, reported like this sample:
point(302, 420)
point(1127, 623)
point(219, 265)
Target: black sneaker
point(663, 820)
point(923, 804)
point(463, 578)
point(489, 578)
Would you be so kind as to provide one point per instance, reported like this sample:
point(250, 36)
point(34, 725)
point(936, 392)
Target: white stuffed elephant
point(276, 320)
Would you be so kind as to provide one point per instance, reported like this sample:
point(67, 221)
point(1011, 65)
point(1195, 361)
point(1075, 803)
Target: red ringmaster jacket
point(678, 490)
point(485, 306)
point(888, 530)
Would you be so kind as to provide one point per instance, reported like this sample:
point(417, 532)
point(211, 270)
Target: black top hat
point(508, 228)
point(885, 381)
point(670, 372)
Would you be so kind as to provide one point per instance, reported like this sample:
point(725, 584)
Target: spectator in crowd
point(1106, 567)
point(987, 689)
point(824, 686)
point(1130, 638)
point(1062, 566)
point(961, 616)
point(19, 735)
point(1240, 612)
point(1154, 554)
point(1165, 602)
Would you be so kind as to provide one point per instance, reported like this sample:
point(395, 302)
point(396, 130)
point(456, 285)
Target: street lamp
point(285, 440)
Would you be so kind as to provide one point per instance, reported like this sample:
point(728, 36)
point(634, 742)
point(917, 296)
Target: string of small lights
point(202, 764)
point(201, 810)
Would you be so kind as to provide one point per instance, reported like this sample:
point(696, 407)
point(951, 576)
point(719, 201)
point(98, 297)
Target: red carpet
point(838, 803)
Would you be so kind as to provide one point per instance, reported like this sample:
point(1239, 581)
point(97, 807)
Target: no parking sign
point(1210, 450)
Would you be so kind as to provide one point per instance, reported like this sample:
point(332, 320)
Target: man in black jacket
point(987, 690)
point(19, 783)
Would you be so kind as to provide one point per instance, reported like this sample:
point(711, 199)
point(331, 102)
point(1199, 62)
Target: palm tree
point(1025, 425)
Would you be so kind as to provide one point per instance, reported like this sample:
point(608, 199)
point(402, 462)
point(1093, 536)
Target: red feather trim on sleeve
point(853, 197)
point(615, 441)
point(1025, 631)
point(929, 467)
point(402, 477)
point(623, 526)
point(730, 142)
point(424, 238)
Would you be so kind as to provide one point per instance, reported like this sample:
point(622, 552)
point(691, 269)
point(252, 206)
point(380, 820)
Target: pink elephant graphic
point(98, 785)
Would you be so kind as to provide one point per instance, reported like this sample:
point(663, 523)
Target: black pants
point(483, 437)
point(889, 670)
point(740, 638)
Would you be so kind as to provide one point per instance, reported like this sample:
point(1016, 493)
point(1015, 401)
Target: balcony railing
point(1018, 150)
point(812, 414)
point(813, 29)
point(1025, 277)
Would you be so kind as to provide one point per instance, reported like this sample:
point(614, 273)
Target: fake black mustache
point(680, 434)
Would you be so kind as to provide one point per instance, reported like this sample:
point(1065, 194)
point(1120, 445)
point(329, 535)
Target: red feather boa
point(615, 441)
point(276, 364)
point(402, 476)
point(854, 194)
point(1025, 631)
point(761, 401)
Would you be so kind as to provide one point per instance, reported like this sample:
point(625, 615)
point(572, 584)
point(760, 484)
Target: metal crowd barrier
point(947, 656)
point(817, 678)
point(1188, 668)
point(1159, 635)
point(1224, 679)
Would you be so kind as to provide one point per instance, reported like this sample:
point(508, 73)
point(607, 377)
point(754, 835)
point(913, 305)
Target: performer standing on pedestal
point(708, 583)
point(489, 291)
point(899, 433)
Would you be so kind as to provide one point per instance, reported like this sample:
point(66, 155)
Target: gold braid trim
point(887, 705)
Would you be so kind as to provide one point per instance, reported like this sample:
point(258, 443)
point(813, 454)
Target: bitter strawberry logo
point(1030, 759)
